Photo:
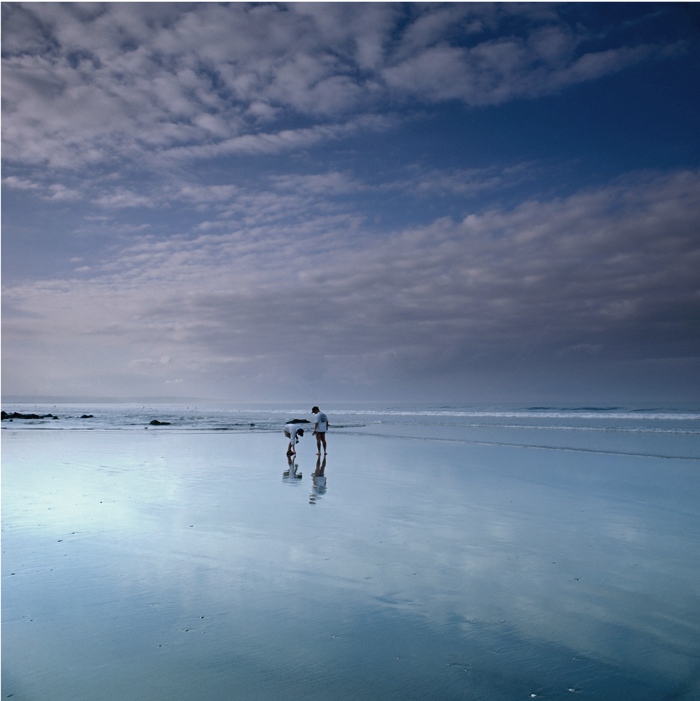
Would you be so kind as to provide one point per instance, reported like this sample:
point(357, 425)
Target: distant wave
point(514, 414)
point(597, 429)
point(470, 420)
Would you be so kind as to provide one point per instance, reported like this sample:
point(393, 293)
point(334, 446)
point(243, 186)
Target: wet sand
point(165, 566)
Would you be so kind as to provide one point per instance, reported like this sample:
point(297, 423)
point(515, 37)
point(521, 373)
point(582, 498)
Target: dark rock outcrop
point(155, 422)
point(17, 415)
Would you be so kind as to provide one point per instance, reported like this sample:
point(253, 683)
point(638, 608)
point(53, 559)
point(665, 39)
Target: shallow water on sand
point(175, 565)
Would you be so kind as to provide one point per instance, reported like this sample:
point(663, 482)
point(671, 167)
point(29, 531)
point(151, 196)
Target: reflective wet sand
point(149, 565)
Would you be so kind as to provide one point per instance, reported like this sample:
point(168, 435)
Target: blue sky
point(340, 201)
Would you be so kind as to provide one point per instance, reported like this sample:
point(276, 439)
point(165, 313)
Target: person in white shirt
point(320, 428)
point(293, 432)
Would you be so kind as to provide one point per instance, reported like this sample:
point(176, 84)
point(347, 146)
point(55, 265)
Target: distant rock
point(298, 421)
point(87, 416)
point(155, 422)
point(17, 415)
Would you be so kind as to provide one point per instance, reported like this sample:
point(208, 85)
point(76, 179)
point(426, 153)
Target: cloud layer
point(610, 272)
point(221, 199)
point(89, 84)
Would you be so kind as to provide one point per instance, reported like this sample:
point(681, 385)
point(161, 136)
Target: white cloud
point(279, 141)
point(603, 272)
point(20, 183)
point(123, 80)
point(47, 191)
point(332, 183)
point(443, 22)
point(121, 197)
point(504, 69)
point(178, 107)
point(465, 182)
point(63, 193)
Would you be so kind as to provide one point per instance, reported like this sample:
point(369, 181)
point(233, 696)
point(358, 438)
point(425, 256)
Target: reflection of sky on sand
point(184, 569)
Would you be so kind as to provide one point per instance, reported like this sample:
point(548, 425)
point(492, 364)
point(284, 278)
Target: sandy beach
point(170, 565)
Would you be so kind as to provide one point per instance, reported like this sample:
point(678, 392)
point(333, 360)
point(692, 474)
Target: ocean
point(662, 431)
point(491, 553)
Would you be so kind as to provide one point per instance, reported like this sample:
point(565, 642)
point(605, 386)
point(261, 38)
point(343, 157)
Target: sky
point(455, 202)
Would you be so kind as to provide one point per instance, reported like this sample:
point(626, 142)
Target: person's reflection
point(319, 480)
point(291, 471)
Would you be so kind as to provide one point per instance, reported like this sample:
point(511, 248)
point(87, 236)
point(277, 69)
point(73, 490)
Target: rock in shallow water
point(17, 415)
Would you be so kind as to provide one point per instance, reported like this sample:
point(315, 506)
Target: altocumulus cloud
point(84, 83)
point(220, 202)
point(609, 271)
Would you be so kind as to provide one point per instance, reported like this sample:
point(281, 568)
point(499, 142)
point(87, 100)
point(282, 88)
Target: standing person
point(320, 428)
point(293, 432)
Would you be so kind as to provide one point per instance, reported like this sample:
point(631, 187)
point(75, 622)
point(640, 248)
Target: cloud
point(281, 141)
point(182, 151)
point(89, 85)
point(48, 191)
point(505, 69)
point(122, 197)
point(62, 193)
point(466, 182)
point(19, 183)
point(331, 183)
point(608, 272)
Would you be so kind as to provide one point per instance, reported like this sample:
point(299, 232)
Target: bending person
point(293, 432)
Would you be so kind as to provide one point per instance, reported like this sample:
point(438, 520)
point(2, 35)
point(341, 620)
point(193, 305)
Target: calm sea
point(664, 431)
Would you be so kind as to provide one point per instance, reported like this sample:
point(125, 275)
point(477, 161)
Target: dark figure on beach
point(320, 428)
point(293, 432)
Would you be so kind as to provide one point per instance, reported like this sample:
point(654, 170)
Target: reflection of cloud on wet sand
point(421, 549)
